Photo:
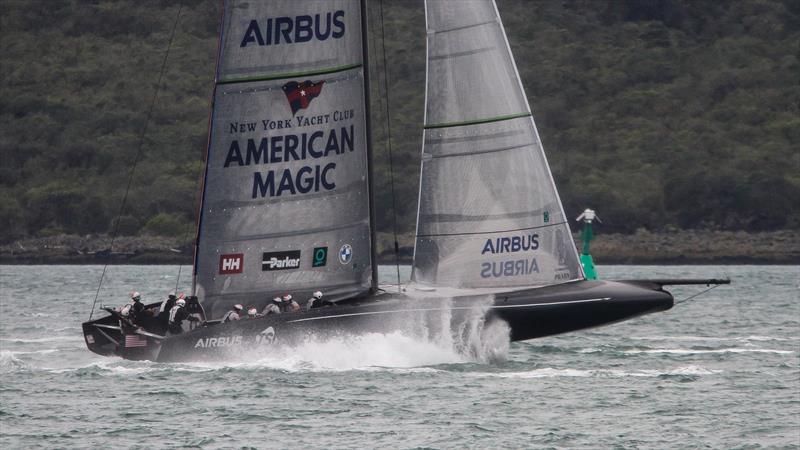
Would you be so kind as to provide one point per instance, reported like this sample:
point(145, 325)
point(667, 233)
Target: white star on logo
point(303, 93)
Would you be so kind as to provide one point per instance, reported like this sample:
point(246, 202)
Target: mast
point(208, 148)
point(368, 120)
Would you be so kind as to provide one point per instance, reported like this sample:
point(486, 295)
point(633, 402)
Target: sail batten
point(286, 199)
point(308, 73)
point(475, 233)
point(463, 27)
point(489, 214)
point(478, 121)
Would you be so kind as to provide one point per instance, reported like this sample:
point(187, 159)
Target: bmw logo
point(346, 254)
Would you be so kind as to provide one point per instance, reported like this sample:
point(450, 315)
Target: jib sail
point(489, 213)
point(286, 196)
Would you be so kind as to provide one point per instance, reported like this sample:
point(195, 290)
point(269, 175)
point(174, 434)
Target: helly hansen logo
point(280, 260)
point(231, 263)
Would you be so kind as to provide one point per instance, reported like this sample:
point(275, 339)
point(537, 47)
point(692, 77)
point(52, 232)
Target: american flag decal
point(134, 340)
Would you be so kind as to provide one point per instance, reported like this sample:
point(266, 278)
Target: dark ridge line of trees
point(660, 114)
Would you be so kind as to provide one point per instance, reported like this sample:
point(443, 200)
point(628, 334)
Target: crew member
point(273, 307)
point(315, 301)
point(136, 305)
point(290, 305)
point(126, 317)
point(163, 311)
point(233, 314)
point(252, 312)
point(177, 315)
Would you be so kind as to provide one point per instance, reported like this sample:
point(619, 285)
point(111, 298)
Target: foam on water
point(550, 372)
point(688, 351)
point(419, 342)
point(710, 338)
point(369, 350)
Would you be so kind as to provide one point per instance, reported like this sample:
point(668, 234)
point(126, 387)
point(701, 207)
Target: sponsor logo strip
point(346, 254)
point(231, 263)
point(287, 260)
point(320, 258)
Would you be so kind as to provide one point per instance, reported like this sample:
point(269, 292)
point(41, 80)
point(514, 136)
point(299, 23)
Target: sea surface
point(719, 371)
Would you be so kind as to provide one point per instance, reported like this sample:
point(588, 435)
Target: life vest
point(172, 313)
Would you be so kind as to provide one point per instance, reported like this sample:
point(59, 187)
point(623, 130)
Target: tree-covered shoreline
point(661, 114)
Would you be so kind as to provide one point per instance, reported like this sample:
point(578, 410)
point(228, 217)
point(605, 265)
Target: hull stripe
point(527, 305)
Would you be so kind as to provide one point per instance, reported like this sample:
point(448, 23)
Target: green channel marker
point(588, 216)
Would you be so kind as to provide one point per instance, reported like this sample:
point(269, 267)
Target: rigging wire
point(197, 200)
point(136, 159)
point(389, 145)
point(698, 294)
point(185, 237)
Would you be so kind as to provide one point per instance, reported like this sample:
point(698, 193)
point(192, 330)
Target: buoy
point(588, 216)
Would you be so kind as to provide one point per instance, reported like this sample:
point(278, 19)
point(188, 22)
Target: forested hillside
point(660, 114)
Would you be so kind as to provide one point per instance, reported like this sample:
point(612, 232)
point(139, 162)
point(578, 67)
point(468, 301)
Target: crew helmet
point(171, 295)
point(238, 307)
point(287, 297)
point(277, 300)
point(135, 296)
point(317, 295)
point(182, 295)
point(252, 312)
point(181, 302)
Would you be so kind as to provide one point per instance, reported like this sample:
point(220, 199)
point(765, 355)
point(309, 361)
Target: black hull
point(530, 314)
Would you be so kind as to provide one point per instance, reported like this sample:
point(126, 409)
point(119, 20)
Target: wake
point(427, 339)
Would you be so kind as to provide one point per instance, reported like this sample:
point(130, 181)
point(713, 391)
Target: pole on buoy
point(587, 217)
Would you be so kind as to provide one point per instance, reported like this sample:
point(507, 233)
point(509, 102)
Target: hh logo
point(231, 263)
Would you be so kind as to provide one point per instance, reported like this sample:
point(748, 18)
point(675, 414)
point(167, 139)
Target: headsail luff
point(286, 193)
point(489, 213)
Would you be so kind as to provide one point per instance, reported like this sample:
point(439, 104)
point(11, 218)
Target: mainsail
point(286, 193)
point(489, 213)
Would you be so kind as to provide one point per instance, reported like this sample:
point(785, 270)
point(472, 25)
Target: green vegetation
point(660, 114)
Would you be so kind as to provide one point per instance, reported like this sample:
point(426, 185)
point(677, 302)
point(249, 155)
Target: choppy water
point(722, 371)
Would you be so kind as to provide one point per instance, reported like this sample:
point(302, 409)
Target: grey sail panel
point(489, 213)
point(471, 74)
point(277, 38)
point(286, 196)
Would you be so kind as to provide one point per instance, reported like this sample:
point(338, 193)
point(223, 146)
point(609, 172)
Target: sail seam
point(290, 74)
point(482, 137)
point(478, 121)
point(481, 218)
point(492, 232)
point(465, 27)
point(464, 53)
point(480, 152)
point(295, 233)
